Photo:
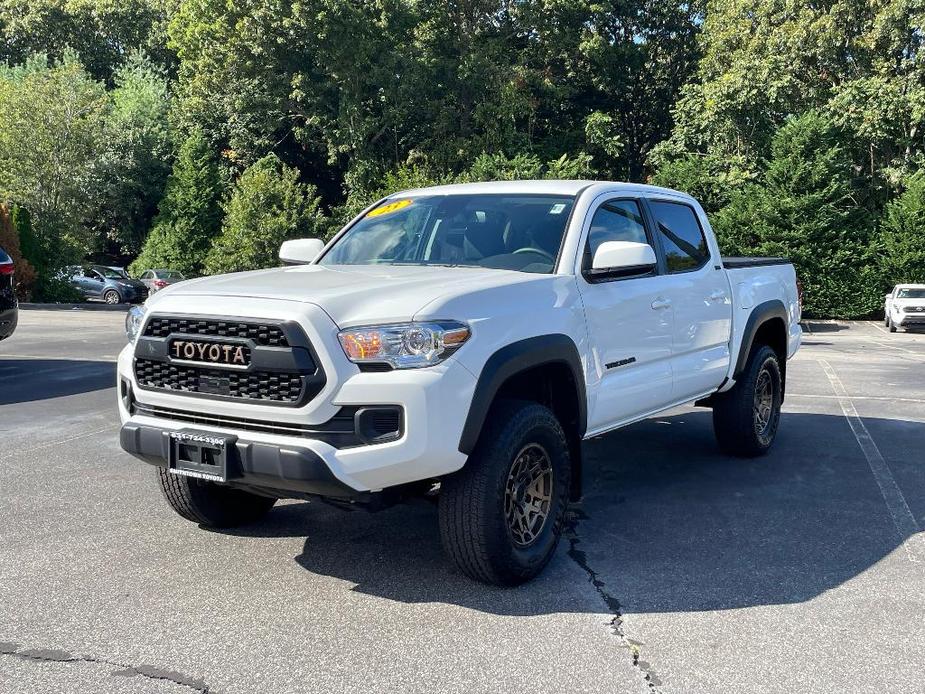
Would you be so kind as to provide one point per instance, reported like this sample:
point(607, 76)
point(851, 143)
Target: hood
point(903, 303)
point(351, 295)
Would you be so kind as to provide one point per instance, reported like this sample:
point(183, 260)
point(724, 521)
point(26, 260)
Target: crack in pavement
point(54, 655)
point(570, 531)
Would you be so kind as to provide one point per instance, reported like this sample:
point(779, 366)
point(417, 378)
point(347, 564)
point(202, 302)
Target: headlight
point(405, 345)
point(133, 320)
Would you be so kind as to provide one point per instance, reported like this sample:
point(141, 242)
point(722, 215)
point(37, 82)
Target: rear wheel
point(211, 504)
point(111, 296)
point(501, 515)
point(745, 419)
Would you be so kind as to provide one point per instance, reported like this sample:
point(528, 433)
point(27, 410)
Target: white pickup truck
point(904, 307)
point(458, 342)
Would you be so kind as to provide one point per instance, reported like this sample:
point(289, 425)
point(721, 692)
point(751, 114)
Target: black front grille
point(260, 333)
point(251, 385)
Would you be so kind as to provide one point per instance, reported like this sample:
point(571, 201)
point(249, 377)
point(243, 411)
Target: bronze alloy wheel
point(528, 494)
point(765, 414)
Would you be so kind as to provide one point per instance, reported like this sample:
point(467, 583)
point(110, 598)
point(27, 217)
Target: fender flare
point(761, 314)
point(513, 359)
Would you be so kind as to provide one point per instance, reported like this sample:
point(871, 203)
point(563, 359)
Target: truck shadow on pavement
point(25, 380)
point(668, 523)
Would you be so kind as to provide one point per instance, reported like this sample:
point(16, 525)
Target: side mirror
point(300, 251)
point(622, 259)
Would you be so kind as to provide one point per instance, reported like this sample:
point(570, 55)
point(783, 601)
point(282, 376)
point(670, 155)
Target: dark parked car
point(112, 286)
point(9, 309)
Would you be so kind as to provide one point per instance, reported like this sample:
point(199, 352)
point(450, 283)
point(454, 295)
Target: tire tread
point(465, 528)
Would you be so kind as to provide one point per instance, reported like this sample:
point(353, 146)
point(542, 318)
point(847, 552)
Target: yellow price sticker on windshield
point(389, 208)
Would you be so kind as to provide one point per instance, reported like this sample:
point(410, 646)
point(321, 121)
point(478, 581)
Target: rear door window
point(682, 237)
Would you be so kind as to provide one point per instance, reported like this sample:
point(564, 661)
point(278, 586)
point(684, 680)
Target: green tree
point(349, 91)
point(100, 32)
point(52, 118)
point(138, 154)
point(806, 209)
point(267, 206)
point(189, 215)
point(903, 235)
point(709, 178)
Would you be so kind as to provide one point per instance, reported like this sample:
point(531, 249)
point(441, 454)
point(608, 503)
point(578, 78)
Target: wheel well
point(552, 385)
point(773, 333)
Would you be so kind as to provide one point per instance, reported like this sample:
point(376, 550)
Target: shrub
point(903, 234)
point(805, 209)
point(50, 288)
point(267, 206)
point(710, 179)
point(189, 215)
point(9, 241)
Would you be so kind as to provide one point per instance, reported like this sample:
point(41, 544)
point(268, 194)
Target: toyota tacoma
point(457, 342)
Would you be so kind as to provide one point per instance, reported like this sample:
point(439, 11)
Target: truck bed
point(744, 261)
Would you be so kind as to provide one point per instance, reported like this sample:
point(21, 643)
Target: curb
point(74, 307)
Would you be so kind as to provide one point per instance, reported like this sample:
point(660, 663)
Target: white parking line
point(892, 495)
point(877, 326)
point(67, 440)
point(104, 358)
point(814, 396)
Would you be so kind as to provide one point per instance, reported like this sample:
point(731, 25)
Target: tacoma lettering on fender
point(459, 342)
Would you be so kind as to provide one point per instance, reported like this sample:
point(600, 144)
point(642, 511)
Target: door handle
point(718, 295)
point(661, 303)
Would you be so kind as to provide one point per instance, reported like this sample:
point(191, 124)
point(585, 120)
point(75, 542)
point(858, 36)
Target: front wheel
point(891, 325)
point(210, 504)
point(111, 296)
point(501, 515)
point(746, 418)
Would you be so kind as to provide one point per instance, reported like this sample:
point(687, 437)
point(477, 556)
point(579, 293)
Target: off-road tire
point(111, 296)
point(474, 524)
point(210, 504)
point(739, 428)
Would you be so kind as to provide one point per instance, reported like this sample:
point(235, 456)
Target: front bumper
point(434, 402)
point(906, 319)
point(252, 464)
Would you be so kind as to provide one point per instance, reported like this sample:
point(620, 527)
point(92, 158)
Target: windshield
point(505, 232)
point(910, 294)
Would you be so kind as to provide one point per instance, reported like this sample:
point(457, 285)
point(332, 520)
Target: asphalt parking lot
point(682, 570)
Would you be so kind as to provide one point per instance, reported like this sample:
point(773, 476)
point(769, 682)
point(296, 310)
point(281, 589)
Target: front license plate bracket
point(200, 454)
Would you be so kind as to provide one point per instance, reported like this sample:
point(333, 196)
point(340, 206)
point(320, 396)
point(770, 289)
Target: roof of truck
point(544, 187)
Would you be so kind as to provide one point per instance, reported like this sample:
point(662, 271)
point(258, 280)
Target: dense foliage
point(267, 206)
point(197, 134)
point(189, 215)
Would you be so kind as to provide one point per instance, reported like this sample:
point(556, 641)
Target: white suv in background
point(905, 306)
point(458, 342)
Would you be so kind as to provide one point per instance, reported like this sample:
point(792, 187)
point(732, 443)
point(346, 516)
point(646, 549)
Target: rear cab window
point(683, 241)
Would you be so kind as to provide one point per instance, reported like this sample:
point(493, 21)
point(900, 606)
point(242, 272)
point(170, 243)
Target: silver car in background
point(156, 280)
